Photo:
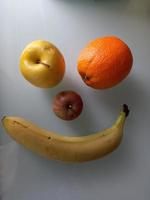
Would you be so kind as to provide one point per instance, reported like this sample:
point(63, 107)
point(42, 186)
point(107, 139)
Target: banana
point(70, 149)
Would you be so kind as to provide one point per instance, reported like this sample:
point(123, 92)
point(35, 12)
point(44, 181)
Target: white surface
point(70, 24)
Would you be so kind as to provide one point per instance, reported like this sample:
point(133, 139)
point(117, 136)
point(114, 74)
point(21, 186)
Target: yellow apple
point(42, 64)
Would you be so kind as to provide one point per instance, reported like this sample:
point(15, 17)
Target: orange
point(105, 62)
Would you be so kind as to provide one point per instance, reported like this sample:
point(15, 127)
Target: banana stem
point(125, 109)
point(123, 115)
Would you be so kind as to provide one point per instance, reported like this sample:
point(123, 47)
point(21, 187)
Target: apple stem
point(45, 64)
point(39, 62)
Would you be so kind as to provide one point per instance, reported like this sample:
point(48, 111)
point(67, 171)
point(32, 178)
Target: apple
point(42, 64)
point(67, 105)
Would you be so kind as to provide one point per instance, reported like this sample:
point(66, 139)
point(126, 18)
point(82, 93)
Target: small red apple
point(67, 105)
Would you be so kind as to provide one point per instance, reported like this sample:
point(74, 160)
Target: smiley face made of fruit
point(102, 64)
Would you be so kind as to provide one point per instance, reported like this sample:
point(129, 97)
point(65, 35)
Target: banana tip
point(3, 118)
point(126, 109)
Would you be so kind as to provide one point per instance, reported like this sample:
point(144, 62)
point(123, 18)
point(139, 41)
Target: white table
point(70, 24)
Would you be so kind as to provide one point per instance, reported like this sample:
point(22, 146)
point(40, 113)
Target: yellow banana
point(70, 149)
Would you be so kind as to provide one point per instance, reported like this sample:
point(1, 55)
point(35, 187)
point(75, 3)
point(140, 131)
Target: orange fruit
point(104, 62)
